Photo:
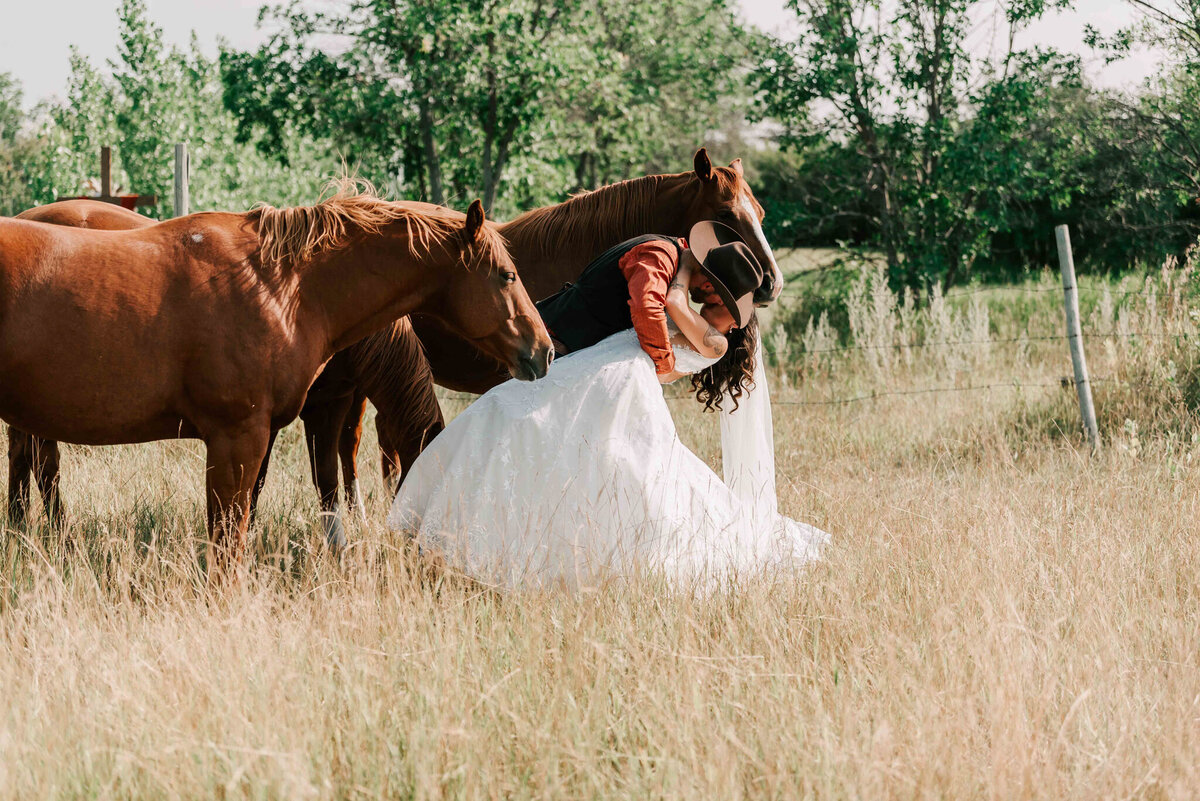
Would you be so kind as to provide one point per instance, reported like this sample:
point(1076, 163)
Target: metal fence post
point(1066, 265)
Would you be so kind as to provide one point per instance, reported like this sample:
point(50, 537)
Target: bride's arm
point(706, 340)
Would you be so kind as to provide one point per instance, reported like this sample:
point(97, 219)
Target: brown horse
point(26, 453)
point(388, 367)
point(214, 325)
point(552, 245)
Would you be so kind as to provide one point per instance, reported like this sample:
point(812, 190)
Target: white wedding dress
point(580, 476)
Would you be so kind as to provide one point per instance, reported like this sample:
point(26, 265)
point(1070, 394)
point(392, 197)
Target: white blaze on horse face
point(752, 215)
point(197, 238)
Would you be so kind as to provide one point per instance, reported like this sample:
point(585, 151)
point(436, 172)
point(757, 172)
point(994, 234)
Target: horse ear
point(474, 221)
point(736, 166)
point(703, 163)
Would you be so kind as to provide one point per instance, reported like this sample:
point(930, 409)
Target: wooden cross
point(106, 194)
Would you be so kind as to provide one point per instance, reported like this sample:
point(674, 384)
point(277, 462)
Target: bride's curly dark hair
point(733, 374)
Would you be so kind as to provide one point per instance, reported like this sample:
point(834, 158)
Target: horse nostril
point(538, 363)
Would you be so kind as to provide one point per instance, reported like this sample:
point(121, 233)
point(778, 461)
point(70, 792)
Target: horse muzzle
point(528, 350)
point(770, 288)
point(533, 366)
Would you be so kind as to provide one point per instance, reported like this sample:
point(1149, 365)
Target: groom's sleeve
point(649, 268)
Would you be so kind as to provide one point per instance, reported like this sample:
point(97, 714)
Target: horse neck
point(362, 286)
point(553, 244)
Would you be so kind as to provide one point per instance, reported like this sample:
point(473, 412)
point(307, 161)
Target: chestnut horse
point(388, 367)
point(552, 245)
point(27, 453)
point(214, 325)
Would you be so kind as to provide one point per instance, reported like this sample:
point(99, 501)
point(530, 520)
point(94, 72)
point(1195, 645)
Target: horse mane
point(299, 233)
point(589, 215)
point(610, 212)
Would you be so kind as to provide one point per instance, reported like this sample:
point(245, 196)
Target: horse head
point(487, 303)
point(726, 197)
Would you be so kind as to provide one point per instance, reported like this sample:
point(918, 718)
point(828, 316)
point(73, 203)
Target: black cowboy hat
point(729, 265)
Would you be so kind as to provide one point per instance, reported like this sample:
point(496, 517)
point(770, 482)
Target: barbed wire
point(968, 291)
point(1062, 383)
point(919, 345)
point(1065, 382)
point(991, 341)
point(1123, 293)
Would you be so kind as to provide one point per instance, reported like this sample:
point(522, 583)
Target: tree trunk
point(951, 276)
point(489, 137)
point(496, 143)
point(887, 217)
point(581, 170)
point(502, 147)
point(433, 168)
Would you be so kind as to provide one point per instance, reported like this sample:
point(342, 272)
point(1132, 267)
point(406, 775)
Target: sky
point(35, 35)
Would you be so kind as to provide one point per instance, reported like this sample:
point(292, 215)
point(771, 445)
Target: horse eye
point(509, 277)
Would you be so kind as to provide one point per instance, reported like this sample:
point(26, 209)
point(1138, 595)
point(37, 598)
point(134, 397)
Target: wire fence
point(883, 393)
point(873, 395)
point(1066, 382)
point(967, 291)
point(1116, 296)
point(995, 341)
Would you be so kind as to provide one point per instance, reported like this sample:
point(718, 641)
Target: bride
point(581, 475)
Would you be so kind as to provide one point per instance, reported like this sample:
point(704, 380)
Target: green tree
point(516, 102)
point(155, 97)
point(436, 92)
point(1173, 24)
point(664, 79)
point(72, 133)
point(890, 88)
point(15, 149)
point(1158, 129)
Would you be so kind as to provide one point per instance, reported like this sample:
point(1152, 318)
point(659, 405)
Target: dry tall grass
point(998, 615)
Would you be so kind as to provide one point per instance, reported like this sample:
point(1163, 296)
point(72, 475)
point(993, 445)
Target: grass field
point(998, 615)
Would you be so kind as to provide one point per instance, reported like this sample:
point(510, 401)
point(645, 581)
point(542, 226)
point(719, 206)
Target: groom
point(626, 286)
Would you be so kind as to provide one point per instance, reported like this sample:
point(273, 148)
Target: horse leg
point(348, 442)
point(233, 462)
point(400, 445)
point(20, 465)
point(322, 424)
point(389, 456)
point(262, 477)
point(45, 472)
point(407, 423)
point(418, 441)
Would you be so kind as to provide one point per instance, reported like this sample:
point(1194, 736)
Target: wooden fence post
point(1066, 265)
point(106, 188)
point(181, 180)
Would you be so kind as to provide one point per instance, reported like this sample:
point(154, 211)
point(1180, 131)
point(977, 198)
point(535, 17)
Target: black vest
point(597, 305)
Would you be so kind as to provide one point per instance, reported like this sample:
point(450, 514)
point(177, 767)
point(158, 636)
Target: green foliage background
point(876, 127)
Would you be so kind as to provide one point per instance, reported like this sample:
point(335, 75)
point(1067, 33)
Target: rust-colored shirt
point(649, 268)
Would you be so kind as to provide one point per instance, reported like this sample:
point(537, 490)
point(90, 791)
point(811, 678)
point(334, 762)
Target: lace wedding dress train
point(580, 476)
